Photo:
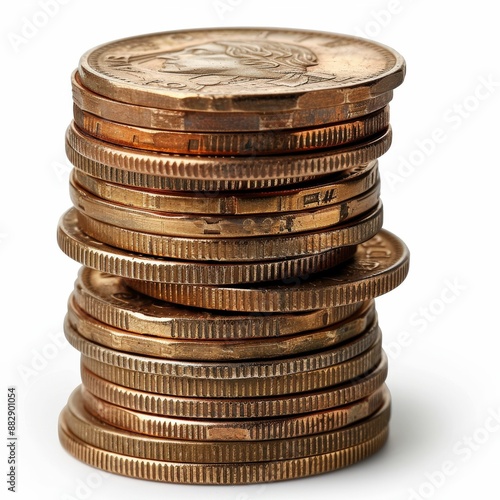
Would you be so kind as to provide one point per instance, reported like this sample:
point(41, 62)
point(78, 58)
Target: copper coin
point(207, 121)
point(102, 435)
point(357, 230)
point(322, 192)
point(192, 473)
point(238, 144)
point(221, 226)
point(223, 350)
point(378, 266)
point(236, 408)
point(218, 173)
point(241, 69)
point(93, 253)
point(107, 298)
point(234, 430)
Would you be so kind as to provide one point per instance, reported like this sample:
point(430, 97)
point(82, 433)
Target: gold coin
point(239, 388)
point(214, 371)
point(212, 350)
point(107, 298)
point(379, 265)
point(241, 69)
point(255, 248)
point(97, 255)
point(237, 144)
point(236, 408)
point(93, 431)
point(218, 173)
point(314, 194)
point(234, 430)
point(206, 121)
point(221, 226)
point(193, 473)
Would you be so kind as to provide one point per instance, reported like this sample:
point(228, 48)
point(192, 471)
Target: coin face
point(242, 69)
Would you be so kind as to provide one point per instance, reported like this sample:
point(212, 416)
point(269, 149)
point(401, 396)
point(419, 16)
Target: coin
point(241, 69)
point(264, 248)
point(205, 121)
point(214, 371)
point(86, 427)
point(189, 473)
point(236, 408)
point(234, 430)
point(269, 386)
point(313, 194)
point(221, 226)
point(239, 144)
point(210, 350)
point(218, 173)
point(146, 180)
point(93, 253)
point(378, 266)
point(107, 298)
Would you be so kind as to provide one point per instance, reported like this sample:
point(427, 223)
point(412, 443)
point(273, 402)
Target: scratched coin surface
point(378, 266)
point(107, 298)
point(241, 69)
point(357, 230)
point(313, 194)
point(221, 226)
point(234, 430)
point(266, 143)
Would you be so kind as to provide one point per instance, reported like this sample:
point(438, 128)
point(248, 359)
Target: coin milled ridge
point(234, 430)
point(93, 253)
point(104, 436)
point(108, 299)
point(378, 266)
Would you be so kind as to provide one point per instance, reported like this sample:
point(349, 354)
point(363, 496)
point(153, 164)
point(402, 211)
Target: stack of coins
point(227, 215)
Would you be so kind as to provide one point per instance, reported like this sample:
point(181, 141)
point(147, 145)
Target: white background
point(444, 378)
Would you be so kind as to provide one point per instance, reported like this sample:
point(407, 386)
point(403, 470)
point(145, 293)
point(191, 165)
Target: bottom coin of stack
point(180, 394)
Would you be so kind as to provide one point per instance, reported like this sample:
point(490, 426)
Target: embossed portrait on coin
point(255, 63)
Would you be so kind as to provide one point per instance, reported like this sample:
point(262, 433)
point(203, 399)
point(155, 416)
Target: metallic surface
point(321, 192)
point(93, 253)
point(226, 350)
point(241, 69)
point(108, 299)
point(234, 430)
point(222, 226)
point(86, 427)
point(239, 144)
point(176, 172)
point(236, 408)
point(224, 250)
point(206, 121)
point(378, 266)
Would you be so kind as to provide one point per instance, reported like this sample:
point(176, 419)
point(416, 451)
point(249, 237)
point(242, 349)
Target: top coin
point(241, 70)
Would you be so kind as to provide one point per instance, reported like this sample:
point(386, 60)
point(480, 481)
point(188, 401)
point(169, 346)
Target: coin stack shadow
point(224, 311)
